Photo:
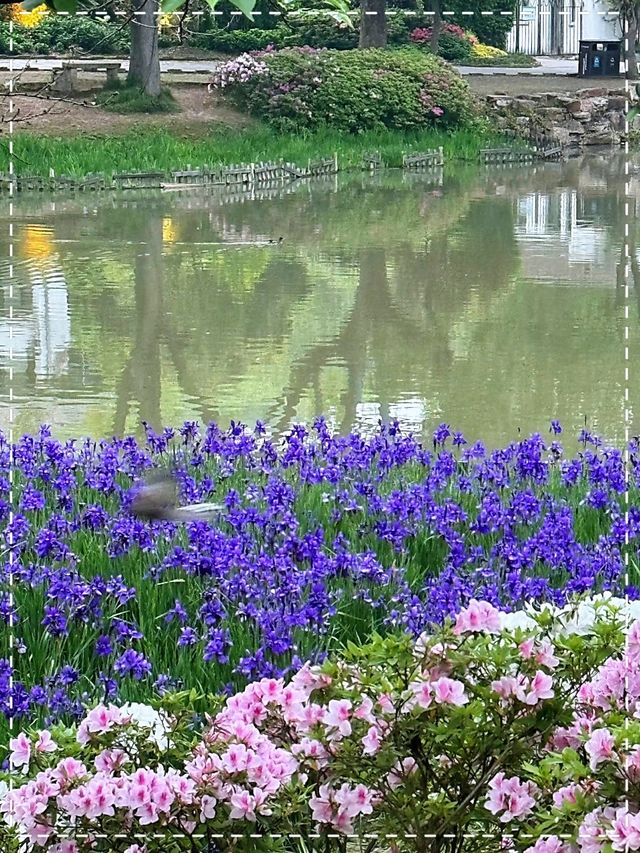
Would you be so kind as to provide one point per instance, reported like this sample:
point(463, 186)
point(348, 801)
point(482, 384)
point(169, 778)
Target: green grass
point(164, 150)
point(120, 98)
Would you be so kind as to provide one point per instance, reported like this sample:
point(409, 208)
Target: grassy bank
point(160, 149)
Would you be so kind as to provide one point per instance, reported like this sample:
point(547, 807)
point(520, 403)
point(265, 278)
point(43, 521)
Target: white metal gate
point(556, 27)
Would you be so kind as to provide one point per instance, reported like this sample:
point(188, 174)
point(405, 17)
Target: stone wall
point(588, 117)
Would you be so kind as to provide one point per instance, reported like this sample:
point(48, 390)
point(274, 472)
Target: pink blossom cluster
point(426, 99)
point(510, 798)
point(242, 69)
point(423, 34)
point(278, 740)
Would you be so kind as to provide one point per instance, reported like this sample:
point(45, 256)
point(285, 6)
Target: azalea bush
point(322, 540)
point(456, 44)
point(354, 91)
point(588, 785)
point(442, 743)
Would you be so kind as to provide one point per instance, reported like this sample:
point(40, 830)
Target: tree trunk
point(373, 26)
point(144, 59)
point(630, 39)
point(437, 26)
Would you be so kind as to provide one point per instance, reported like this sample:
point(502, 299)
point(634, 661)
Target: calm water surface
point(491, 299)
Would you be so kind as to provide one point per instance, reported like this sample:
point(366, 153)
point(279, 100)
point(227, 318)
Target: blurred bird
point(157, 500)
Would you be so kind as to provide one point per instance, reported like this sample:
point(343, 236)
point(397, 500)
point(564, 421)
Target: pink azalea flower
point(423, 693)
point(599, 747)
point(111, 760)
point(526, 648)
point(591, 833)
point(337, 717)
point(69, 769)
point(70, 846)
point(400, 772)
point(478, 616)
point(243, 806)
point(509, 686)
point(386, 703)
point(551, 844)
point(207, 807)
point(21, 750)
point(539, 688)
point(625, 831)
point(545, 656)
point(364, 712)
point(371, 741)
point(565, 795)
point(633, 642)
point(448, 691)
point(45, 743)
point(511, 797)
point(322, 805)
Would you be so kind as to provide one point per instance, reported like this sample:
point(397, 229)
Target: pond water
point(487, 298)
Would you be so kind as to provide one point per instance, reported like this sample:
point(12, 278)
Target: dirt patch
point(199, 111)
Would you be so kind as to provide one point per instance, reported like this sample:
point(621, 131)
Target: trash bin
point(599, 59)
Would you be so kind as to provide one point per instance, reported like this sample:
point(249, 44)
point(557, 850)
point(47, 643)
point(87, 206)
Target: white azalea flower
point(147, 717)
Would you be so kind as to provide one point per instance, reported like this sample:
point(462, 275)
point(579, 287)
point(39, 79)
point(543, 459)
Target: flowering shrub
point(240, 70)
point(485, 51)
point(422, 35)
point(445, 737)
point(353, 91)
point(588, 784)
point(456, 44)
point(323, 539)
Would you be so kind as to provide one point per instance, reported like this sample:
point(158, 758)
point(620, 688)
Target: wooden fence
point(241, 175)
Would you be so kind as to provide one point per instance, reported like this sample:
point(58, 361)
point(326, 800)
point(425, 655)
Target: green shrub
point(320, 31)
point(241, 41)
point(62, 34)
point(490, 29)
point(355, 91)
point(453, 49)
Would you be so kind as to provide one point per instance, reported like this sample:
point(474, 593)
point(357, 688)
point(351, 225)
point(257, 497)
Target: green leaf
point(169, 6)
point(342, 18)
point(69, 6)
point(30, 5)
point(245, 6)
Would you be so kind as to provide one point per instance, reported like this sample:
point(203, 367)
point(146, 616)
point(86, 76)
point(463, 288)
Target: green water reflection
point(490, 299)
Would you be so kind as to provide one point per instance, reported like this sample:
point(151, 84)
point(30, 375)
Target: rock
point(553, 113)
point(582, 116)
point(617, 119)
point(616, 103)
point(591, 93)
point(574, 127)
point(560, 135)
point(523, 105)
point(574, 106)
point(595, 105)
point(600, 136)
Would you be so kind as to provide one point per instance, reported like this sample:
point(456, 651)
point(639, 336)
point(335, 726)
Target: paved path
point(548, 66)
